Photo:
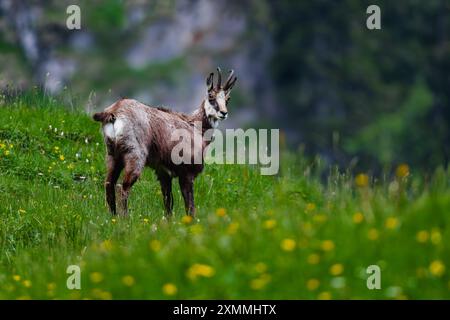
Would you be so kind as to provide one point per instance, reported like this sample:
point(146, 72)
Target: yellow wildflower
point(26, 283)
point(6, 152)
point(327, 245)
point(358, 217)
point(312, 284)
point(422, 236)
point(105, 295)
point(221, 212)
point(155, 245)
point(288, 244)
point(260, 282)
point(402, 170)
point(336, 269)
point(435, 236)
point(169, 289)
point(200, 270)
point(362, 180)
point(313, 258)
point(96, 277)
point(437, 268)
point(270, 224)
point(310, 207)
point(186, 219)
point(16, 277)
point(128, 280)
point(257, 284)
point(391, 223)
point(51, 286)
point(324, 295)
point(106, 245)
point(61, 157)
point(232, 228)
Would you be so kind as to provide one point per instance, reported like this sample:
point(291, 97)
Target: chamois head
point(218, 96)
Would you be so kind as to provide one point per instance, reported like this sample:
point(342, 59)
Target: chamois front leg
point(114, 169)
point(133, 170)
point(187, 190)
point(166, 187)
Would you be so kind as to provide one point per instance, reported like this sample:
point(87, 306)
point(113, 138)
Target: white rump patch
point(108, 131)
point(114, 130)
point(118, 127)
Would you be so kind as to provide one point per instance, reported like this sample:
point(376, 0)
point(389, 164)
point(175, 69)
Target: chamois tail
point(104, 117)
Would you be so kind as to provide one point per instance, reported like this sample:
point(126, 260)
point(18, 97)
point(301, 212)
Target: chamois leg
point(166, 187)
point(187, 190)
point(133, 170)
point(114, 168)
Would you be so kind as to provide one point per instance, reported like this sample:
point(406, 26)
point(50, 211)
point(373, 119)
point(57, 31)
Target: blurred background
point(357, 97)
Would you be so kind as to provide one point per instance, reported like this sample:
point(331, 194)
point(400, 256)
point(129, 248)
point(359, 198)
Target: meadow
point(308, 233)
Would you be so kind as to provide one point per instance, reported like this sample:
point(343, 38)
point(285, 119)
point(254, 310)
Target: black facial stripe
point(214, 104)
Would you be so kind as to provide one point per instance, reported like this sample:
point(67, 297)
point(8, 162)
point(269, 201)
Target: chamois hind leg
point(187, 190)
point(166, 187)
point(114, 168)
point(133, 170)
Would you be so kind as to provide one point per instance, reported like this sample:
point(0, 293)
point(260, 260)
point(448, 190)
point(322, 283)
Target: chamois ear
point(209, 81)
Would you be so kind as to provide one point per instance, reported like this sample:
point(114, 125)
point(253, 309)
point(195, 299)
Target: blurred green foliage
point(382, 94)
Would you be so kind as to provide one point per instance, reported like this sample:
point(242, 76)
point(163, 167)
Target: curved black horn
point(209, 81)
point(227, 83)
point(219, 80)
point(232, 82)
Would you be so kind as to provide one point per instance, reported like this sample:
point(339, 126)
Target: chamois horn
point(209, 81)
point(219, 80)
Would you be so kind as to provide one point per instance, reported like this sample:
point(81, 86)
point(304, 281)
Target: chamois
point(137, 135)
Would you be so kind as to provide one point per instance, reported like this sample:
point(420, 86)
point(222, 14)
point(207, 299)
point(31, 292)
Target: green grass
point(272, 237)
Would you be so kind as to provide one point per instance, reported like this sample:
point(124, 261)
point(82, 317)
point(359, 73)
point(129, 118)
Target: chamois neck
point(199, 115)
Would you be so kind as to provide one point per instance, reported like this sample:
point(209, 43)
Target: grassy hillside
point(291, 236)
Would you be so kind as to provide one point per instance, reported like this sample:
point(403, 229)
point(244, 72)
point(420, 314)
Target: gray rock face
point(161, 54)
